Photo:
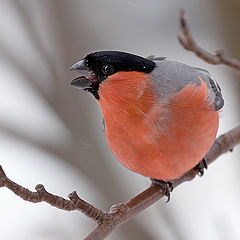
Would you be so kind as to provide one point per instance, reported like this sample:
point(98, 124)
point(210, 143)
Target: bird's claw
point(201, 166)
point(167, 187)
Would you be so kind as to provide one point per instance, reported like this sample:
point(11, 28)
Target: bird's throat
point(125, 94)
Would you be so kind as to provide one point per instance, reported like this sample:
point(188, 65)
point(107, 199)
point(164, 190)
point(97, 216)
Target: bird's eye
point(107, 69)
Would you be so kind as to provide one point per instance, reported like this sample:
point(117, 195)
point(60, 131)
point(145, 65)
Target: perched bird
point(161, 117)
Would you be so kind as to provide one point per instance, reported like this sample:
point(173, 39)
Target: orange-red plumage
point(168, 139)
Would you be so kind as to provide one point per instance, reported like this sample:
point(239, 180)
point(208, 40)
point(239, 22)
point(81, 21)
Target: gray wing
point(214, 89)
point(170, 77)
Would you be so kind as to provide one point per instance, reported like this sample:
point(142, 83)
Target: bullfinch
point(161, 117)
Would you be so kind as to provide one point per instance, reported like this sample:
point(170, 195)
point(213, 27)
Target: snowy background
point(51, 133)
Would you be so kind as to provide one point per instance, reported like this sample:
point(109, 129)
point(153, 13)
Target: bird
point(160, 117)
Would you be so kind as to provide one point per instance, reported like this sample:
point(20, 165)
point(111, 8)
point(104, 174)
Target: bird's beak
point(80, 65)
point(82, 82)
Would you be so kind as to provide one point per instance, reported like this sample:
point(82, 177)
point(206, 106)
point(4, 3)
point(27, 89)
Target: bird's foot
point(201, 167)
point(167, 187)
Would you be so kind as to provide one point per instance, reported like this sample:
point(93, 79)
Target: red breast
point(157, 141)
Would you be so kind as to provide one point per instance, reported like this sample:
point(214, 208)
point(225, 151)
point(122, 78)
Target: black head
point(99, 65)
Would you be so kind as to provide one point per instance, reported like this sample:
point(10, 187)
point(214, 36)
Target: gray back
point(169, 77)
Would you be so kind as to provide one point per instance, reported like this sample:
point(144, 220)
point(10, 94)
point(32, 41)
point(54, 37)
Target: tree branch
point(187, 41)
point(122, 212)
point(41, 195)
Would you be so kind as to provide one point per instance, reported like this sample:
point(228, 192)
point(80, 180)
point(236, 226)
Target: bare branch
point(122, 212)
point(41, 195)
point(187, 41)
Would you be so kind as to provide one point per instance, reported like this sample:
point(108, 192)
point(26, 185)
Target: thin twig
point(41, 195)
point(187, 41)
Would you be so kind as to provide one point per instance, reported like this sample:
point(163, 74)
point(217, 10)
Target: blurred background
point(51, 133)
